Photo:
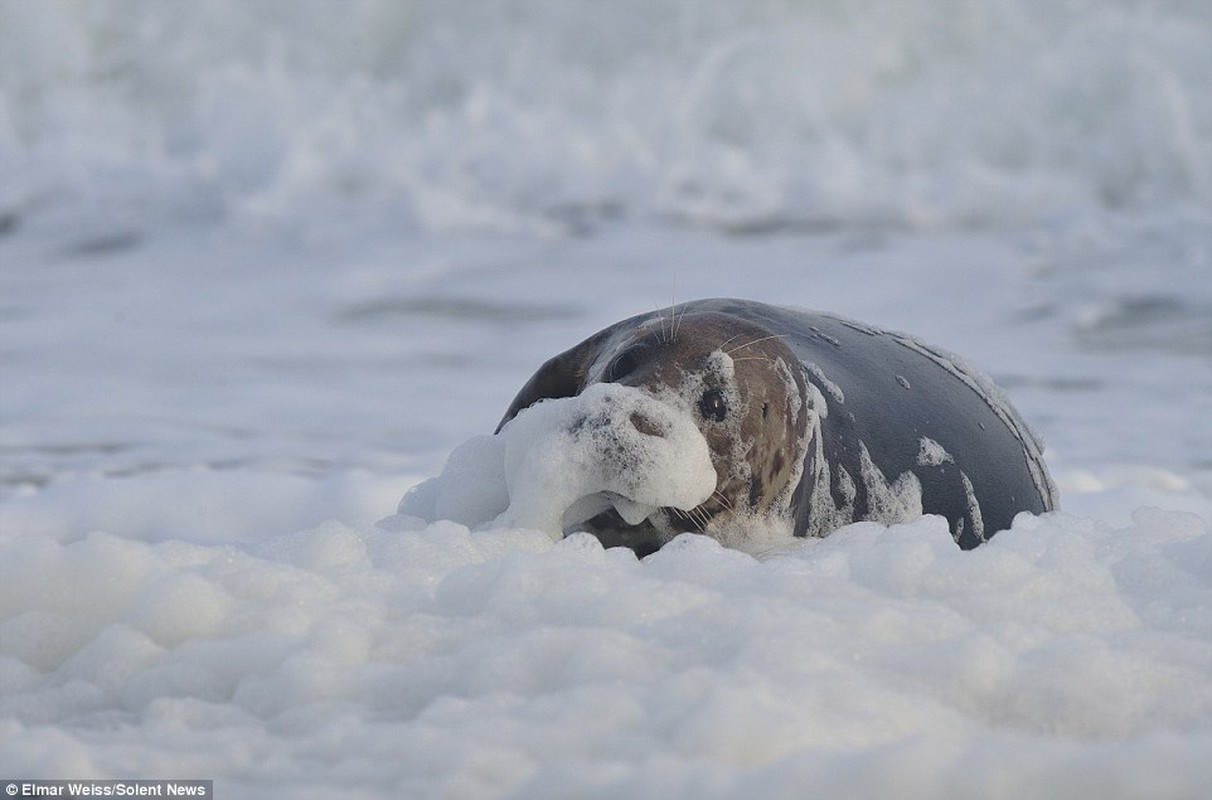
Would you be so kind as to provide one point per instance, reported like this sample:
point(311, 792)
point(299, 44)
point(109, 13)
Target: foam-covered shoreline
point(264, 265)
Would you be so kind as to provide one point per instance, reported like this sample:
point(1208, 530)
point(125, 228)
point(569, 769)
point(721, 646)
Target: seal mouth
point(619, 521)
point(632, 512)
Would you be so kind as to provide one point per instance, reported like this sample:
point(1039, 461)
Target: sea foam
point(524, 117)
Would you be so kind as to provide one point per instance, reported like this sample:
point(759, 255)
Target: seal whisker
point(695, 516)
point(698, 517)
point(660, 315)
point(724, 344)
point(723, 499)
point(759, 340)
point(677, 320)
point(673, 311)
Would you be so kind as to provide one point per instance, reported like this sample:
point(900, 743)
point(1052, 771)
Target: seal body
point(813, 422)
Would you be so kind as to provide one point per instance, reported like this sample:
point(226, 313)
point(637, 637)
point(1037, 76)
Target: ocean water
point(264, 266)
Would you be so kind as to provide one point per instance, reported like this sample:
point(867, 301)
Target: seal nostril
point(644, 425)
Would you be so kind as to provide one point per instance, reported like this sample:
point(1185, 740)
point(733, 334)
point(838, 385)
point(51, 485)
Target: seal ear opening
point(561, 375)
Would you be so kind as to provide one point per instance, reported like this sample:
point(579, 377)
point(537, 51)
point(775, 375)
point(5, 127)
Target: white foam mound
point(1066, 657)
point(563, 460)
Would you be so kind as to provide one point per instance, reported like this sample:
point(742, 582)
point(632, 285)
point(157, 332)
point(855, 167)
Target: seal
point(813, 422)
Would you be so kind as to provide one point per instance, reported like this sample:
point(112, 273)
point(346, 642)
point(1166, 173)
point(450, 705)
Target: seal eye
point(623, 364)
point(712, 405)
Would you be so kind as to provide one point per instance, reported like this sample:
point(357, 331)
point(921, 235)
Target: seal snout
point(647, 425)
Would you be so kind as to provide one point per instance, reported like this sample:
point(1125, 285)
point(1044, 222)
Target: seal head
point(740, 384)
